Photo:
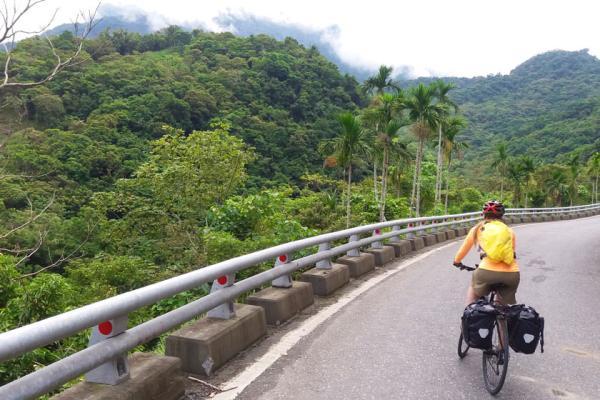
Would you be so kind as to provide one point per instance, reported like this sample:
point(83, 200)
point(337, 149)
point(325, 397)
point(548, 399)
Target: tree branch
point(32, 218)
point(9, 33)
point(62, 259)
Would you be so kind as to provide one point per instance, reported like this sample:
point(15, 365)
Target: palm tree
point(574, 169)
point(383, 117)
point(500, 163)
point(351, 143)
point(516, 174)
point(381, 81)
point(556, 185)
point(451, 146)
point(441, 93)
point(528, 166)
point(594, 172)
point(425, 114)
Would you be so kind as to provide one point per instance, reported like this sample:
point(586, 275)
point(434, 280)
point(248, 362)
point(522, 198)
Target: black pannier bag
point(478, 324)
point(525, 329)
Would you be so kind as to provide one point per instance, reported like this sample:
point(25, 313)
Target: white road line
point(290, 339)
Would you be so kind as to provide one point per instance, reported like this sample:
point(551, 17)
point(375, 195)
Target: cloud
point(437, 37)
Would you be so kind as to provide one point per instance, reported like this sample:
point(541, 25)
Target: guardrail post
point(377, 244)
point(225, 310)
point(419, 232)
point(116, 370)
point(395, 239)
point(353, 252)
point(326, 263)
point(410, 235)
point(284, 281)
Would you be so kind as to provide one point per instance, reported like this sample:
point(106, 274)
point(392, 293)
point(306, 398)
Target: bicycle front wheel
point(495, 361)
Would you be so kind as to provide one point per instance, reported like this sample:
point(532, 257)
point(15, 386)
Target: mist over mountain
point(137, 22)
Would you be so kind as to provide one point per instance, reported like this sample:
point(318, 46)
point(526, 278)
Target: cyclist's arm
point(468, 243)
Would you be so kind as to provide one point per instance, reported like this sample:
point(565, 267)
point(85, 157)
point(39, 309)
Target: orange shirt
point(486, 263)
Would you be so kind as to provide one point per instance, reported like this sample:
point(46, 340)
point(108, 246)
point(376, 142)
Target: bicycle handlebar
point(463, 267)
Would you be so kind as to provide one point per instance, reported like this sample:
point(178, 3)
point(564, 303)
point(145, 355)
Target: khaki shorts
point(483, 279)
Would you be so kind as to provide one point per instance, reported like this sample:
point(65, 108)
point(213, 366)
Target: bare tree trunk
point(375, 193)
point(384, 173)
point(447, 188)
point(348, 208)
point(438, 176)
point(414, 187)
point(418, 199)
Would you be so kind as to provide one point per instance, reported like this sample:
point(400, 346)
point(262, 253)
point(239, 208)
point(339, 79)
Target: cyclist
point(505, 276)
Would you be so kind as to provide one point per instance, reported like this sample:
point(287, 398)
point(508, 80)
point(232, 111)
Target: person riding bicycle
point(503, 275)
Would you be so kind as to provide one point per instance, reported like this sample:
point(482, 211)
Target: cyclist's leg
point(471, 296)
point(479, 287)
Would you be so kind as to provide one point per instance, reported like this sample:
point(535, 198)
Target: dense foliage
point(548, 108)
point(174, 150)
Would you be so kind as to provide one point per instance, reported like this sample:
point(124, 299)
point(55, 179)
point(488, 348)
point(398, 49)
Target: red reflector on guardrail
point(105, 327)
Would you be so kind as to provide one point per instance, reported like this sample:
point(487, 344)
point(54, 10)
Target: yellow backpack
point(495, 240)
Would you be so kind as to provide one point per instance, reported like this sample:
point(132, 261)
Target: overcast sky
point(434, 37)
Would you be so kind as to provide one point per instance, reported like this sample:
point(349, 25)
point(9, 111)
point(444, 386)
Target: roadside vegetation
point(159, 154)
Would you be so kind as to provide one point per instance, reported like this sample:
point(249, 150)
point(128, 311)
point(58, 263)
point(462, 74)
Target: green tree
point(384, 119)
point(189, 173)
point(381, 81)
point(441, 93)
point(574, 171)
point(528, 166)
point(349, 146)
point(451, 145)
point(425, 116)
point(500, 163)
point(594, 173)
point(516, 174)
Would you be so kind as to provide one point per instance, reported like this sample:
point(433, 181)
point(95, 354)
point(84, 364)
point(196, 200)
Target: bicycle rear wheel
point(495, 361)
point(463, 347)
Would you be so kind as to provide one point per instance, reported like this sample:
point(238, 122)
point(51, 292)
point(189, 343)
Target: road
point(398, 340)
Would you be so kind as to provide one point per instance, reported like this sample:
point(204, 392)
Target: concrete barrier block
point(383, 255)
point(358, 265)
point(327, 281)
point(417, 243)
point(281, 304)
point(207, 344)
point(401, 248)
point(463, 231)
point(450, 234)
point(536, 218)
point(526, 219)
point(430, 240)
point(440, 237)
point(152, 377)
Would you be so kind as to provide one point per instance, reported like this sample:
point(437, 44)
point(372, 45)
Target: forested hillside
point(548, 107)
point(157, 154)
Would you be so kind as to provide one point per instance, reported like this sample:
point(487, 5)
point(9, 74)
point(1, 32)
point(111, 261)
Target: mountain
point(278, 96)
point(548, 107)
point(137, 24)
point(113, 20)
point(251, 25)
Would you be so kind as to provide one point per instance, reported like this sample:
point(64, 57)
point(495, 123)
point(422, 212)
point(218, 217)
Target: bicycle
point(494, 360)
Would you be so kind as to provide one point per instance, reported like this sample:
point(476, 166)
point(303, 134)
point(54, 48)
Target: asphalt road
point(398, 340)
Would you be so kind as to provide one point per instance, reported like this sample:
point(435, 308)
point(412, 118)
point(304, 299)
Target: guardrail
point(21, 340)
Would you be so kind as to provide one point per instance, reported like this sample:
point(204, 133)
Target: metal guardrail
point(21, 340)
